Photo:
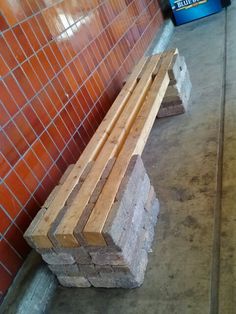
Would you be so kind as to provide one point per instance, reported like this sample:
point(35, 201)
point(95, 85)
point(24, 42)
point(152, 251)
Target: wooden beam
point(134, 144)
point(65, 232)
point(39, 237)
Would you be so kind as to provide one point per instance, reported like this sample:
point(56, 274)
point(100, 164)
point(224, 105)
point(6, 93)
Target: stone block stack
point(128, 231)
point(177, 95)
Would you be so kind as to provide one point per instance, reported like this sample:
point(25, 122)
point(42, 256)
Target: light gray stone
point(115, 258)
point(125, 278)
point(104, 269)
point(121, 269)
point(155, 211)
point(150, 199)
point(122, 211)
point(133, 222)
point(103, 282)
point(89, 270)
point(65, 270)
point(58, 258)
point(80, 254)
point(177, 67)
point(74, 281)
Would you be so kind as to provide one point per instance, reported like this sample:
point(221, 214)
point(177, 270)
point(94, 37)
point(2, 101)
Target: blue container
point(189, 10)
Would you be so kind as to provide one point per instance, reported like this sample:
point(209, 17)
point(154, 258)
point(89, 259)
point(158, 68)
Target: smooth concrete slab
point(181, 158)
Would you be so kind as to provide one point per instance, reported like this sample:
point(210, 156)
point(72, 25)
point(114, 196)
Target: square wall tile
point(62, 65)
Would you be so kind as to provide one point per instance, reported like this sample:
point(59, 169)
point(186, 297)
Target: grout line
point(215, 270)
point(6, 269)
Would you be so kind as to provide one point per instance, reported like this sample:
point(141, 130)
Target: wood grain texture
point(65, 230)
point(134, 144)
point(90, 153)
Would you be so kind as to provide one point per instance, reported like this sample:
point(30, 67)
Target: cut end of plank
point(94, 239)
point(41, 241)
point(66, 240)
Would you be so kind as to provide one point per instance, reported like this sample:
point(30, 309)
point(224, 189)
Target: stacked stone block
point(178, 92)
point(128, 232)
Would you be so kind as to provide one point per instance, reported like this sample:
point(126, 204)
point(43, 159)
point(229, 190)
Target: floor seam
point(215, 270)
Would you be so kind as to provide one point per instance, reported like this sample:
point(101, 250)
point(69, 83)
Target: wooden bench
point(101, 167)
point(76, 216)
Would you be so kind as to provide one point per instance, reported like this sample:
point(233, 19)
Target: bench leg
point(178, 92)
point(129, 232)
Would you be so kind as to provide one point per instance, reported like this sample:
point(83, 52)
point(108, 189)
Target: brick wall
point(62, 63)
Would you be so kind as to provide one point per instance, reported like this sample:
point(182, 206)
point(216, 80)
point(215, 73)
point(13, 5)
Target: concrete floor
point(181, 158)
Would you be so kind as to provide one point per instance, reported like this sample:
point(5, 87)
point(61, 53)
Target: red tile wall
point(62, 63)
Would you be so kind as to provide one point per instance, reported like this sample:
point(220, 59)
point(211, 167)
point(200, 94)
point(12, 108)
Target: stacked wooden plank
point(98, 224)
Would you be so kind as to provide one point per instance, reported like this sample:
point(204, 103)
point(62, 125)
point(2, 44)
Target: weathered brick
point(152, 206)
point(180, 76)
point(103, 249)
point(121, 269)
point(171, 101)
point(115, 258)
point(178, 92)
point(58, 258)
point(80, 254)
point(44, 251)
point(102, 282)
point(133, 221)
point(155, 211)
point(104, 269)
point(113, 226)
point(176, 67)
point(89, 270)
point(65, 270)
point(124, 278)
point(122, 210)
point(139, 265)
point(134, 174)
point(150, 199)
point(74, 281)
point(148, 237)
point(170, 111)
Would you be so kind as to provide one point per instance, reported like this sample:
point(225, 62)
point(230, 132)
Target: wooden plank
point(134, 144)
point(65, 233)
point(66, 173)
point(30, 230)
point(90, 153)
